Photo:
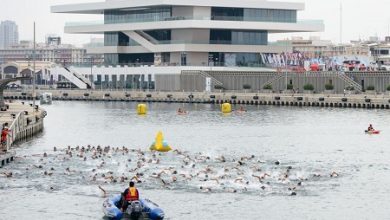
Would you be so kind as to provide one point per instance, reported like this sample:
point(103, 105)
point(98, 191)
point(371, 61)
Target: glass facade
point(127, 16)
point(160, 35)
point(249, 14)
point(136, 58)
point(235, 59)
point(238, 37)
point(129, 59)
point(111, 59)
point(118, 39)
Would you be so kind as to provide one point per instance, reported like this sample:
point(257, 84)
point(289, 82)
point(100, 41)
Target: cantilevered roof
point(99, 7)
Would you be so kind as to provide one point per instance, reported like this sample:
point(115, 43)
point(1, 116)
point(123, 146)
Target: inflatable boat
point(150, 210)
point(373, 132)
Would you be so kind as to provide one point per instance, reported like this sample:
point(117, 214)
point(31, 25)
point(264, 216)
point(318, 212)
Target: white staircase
point(71, 77)
point(141, 40)
point(273, 79)
point(90, 84)
point(350, 81)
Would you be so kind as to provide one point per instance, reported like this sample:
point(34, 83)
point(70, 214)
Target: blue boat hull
point(149, 208)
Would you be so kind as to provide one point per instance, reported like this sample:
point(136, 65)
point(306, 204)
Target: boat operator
point(129, 195)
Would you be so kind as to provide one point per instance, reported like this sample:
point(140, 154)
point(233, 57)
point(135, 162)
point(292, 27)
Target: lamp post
point(91, 77)
point(285, 63)
point(34, 54)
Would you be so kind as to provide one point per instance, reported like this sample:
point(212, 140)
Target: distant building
point(9, 34)
point(62, 54)
point(350, 50)
point(94, 42)
point(381, 53)
point(314, 47)
point(53, 40)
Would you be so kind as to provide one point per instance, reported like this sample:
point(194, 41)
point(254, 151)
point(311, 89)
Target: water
point(311, 140)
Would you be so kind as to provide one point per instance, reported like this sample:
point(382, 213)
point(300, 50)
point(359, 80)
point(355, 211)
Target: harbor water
point(313, 142)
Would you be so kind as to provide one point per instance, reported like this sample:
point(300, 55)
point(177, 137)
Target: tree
point(308, 87)
point(329, 86)
point(246, 86)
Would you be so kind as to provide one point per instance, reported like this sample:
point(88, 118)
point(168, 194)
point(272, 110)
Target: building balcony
point(188, 47)
point(96, 27)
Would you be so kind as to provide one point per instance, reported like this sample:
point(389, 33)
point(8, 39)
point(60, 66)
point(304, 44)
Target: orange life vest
point(4, 134)
point(132, 194)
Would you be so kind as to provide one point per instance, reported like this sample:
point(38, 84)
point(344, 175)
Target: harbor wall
point(196, 81)
point(349, 100)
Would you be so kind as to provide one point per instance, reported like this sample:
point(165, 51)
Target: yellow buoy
point(159, 144)
point(142, 109)
point(226, 108)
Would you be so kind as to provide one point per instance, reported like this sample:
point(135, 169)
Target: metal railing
point(14, 129)
point(350, 81)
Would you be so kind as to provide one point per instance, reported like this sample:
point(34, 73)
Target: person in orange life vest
point(4, 136)
point(129, 195)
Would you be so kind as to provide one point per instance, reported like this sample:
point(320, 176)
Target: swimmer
point(258, 178)
point(47, 173)
point(334, 174)
point(7, 174)
point(221, 159)
point(136, 179)
point(181, 111)
point(241, 110)
point(103, 190)
point(205, 189)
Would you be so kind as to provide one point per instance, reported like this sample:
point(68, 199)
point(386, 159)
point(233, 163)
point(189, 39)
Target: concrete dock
point(363, 100)
point(24, 121)
point(7, 158)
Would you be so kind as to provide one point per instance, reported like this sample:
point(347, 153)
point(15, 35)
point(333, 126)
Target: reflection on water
point(309, 143)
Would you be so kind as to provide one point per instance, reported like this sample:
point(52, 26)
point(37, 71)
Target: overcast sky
point(361, 18)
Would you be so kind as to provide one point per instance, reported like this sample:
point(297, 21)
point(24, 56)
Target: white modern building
point(9, 34)
point(188, 33)
point(159, 39)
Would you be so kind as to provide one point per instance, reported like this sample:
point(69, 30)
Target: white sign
point(208, 84)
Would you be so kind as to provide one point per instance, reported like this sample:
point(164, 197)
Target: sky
point(361, 19)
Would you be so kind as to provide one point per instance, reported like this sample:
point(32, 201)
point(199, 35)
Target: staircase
point(204, 75)
point(350, 82)
point(136, 36)
point(213, 80)
point(147, 37)
point(72, 77)
point(90, 85)
point(273, 79)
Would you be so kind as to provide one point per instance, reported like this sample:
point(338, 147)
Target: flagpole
point(34, 53)
point(341, 22)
